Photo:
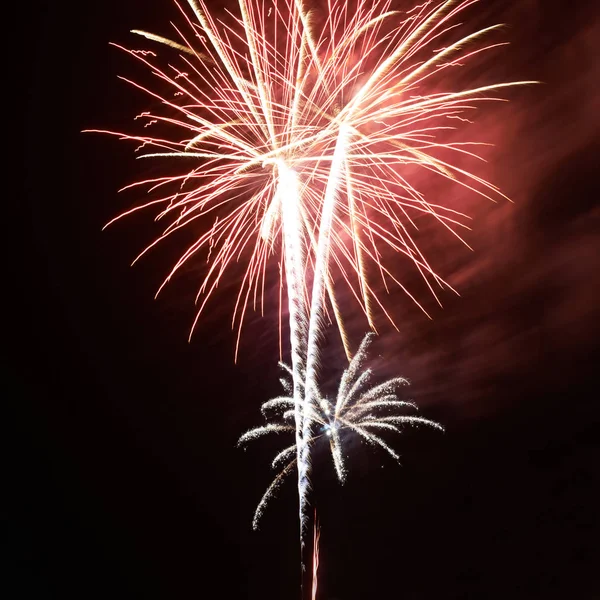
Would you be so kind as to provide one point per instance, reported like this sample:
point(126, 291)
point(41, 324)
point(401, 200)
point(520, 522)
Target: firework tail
point(289, 195)
point(315, 327)
point(315, 561)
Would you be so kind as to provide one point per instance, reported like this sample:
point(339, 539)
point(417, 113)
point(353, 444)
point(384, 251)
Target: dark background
point(124, 471)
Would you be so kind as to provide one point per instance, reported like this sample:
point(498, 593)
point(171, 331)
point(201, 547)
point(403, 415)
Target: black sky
point(126, 479)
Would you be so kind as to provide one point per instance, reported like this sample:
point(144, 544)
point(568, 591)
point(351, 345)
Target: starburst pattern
point(352, 111)
point(360, 407)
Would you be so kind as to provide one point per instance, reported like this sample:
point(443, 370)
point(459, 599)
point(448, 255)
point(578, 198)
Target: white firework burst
point(359, 408)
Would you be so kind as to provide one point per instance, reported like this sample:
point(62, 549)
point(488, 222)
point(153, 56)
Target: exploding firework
point(280, 126)
point(359, 408)
point(300, 147)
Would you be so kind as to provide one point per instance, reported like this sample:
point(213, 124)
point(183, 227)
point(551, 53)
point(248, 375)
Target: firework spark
point(359, 408)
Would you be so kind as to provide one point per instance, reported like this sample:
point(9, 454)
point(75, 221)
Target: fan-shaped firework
point(359, 408)
point(261, 97)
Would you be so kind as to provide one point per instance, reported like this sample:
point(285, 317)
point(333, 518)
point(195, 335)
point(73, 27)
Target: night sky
point(125, 473)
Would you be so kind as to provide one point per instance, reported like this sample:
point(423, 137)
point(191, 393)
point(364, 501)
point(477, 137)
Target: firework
point(260, 97)
point(360, 408)
point(297, 147)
